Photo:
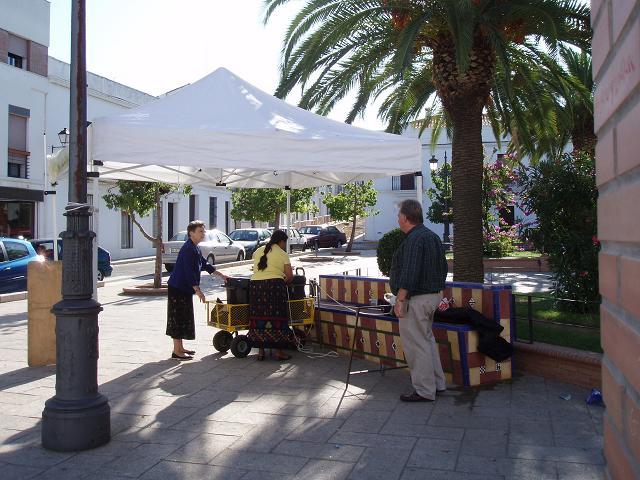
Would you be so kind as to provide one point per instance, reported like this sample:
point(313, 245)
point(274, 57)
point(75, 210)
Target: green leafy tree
point(355, 200)
point(562, 193)
point(139, 199)
point(440, 195)
point(405, 51)
point(266, 204)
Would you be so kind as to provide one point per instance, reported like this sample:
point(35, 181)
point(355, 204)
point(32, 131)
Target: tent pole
point(418, 177)
point(288, 217)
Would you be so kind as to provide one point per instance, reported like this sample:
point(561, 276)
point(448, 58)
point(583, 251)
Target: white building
point(393, 190)
point(34, 91)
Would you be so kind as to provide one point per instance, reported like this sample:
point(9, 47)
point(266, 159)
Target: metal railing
point(564, 314)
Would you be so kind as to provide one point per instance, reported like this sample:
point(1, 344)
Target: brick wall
point(616, 70)
point(38, 58)
point(4, 45)
point(564, 364)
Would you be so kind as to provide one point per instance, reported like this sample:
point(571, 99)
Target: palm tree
point(569, 88)
point(456, 47)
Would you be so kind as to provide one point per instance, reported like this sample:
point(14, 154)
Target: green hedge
point(387, 246)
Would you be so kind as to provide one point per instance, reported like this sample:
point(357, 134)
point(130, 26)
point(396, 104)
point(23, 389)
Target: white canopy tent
point(223, 131)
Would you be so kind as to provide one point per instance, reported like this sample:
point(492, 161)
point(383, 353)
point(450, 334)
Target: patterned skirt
point(269, 314)
point(180, 323)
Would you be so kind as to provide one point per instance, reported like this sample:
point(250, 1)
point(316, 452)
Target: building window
point(18, 156)
point(404, 182)
point(17, 52)
point(192, 207)
point(93, 213)
point(126, 230)
point(213, 212)
point(14, 60)
point(16, 219)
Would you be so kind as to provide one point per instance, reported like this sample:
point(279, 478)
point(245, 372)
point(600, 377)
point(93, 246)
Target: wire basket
point(236, 317)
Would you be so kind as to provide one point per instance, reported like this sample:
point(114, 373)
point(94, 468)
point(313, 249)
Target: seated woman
point(268, 299)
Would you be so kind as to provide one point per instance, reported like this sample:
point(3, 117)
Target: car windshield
point(179, 237)
point(312, 230)
point(244, 235)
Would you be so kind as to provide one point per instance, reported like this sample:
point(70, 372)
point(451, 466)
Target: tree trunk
point(464, 95)
point(157, 273)
point(353, 233)
point(466, 189)
point(277, 220)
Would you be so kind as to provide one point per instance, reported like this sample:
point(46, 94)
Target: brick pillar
point(616, 70)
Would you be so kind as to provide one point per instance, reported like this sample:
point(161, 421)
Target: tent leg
point(288, 217)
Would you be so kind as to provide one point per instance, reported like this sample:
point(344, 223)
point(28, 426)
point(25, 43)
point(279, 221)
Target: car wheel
point(240, 346)
point(240, 256)
point(168, 267)
point(339, 244)
point(222, 341)
point(211, 260)
point(100, 276)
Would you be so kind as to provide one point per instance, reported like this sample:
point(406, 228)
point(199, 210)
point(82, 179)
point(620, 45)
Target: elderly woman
point(183, 283)
point(268, 299)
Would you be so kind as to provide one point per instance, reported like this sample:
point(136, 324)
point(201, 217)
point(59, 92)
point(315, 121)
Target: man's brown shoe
point(414, 397)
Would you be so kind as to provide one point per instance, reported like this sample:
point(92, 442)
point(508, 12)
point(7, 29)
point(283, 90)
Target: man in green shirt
point(418, 273)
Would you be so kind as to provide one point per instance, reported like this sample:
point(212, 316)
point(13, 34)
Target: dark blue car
point(15, 255)
point(104, 257)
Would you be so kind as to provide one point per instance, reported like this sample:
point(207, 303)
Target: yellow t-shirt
point(276, 260)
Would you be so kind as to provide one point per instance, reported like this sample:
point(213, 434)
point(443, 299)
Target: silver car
point(216, 248)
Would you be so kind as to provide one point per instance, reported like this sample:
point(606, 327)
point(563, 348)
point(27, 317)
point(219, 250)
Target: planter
point(512, 264)
point(568, 365)
point(146, 289)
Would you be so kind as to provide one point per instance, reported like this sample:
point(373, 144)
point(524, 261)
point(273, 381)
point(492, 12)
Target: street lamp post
point(433, 165)
point(63, 137)
point(78, 416)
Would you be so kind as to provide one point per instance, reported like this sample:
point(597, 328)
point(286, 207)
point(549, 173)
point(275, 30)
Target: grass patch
point(525, 254)
point(558, 327)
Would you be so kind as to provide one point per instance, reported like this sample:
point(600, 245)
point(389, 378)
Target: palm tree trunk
point(466, 192)
point(463, 96)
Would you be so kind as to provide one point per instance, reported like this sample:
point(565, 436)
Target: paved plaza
point(228, 418)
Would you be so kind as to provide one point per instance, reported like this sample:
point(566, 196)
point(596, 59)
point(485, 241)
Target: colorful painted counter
point(378, 337)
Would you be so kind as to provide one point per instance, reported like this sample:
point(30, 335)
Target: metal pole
point(418, 177)
point(78, 416)
point(288, 218)
point(530, 318)
point(446, 237)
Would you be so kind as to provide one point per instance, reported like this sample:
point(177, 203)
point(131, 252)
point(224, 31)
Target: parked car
point(296, 240)
point(250, 238)
point(327, 237)
point(216, 248)
point(310, 231)
point(104, 257)
point(15, 256)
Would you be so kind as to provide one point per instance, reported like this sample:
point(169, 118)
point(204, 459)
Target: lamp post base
point(71, 425)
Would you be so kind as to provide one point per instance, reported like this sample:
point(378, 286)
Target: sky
point(158, 45)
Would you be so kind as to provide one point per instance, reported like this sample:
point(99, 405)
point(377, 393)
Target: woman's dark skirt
point(269, 314)
point(180, 323)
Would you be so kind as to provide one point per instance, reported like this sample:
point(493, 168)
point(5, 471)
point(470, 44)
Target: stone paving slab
point(228, 418)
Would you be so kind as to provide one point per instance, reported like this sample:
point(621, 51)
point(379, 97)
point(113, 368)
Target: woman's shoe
point(181, 357)
point(190, 352)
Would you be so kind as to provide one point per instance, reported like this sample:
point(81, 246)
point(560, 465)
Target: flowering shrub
point(499, 180)
point(499, 238)
point(563, 195)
